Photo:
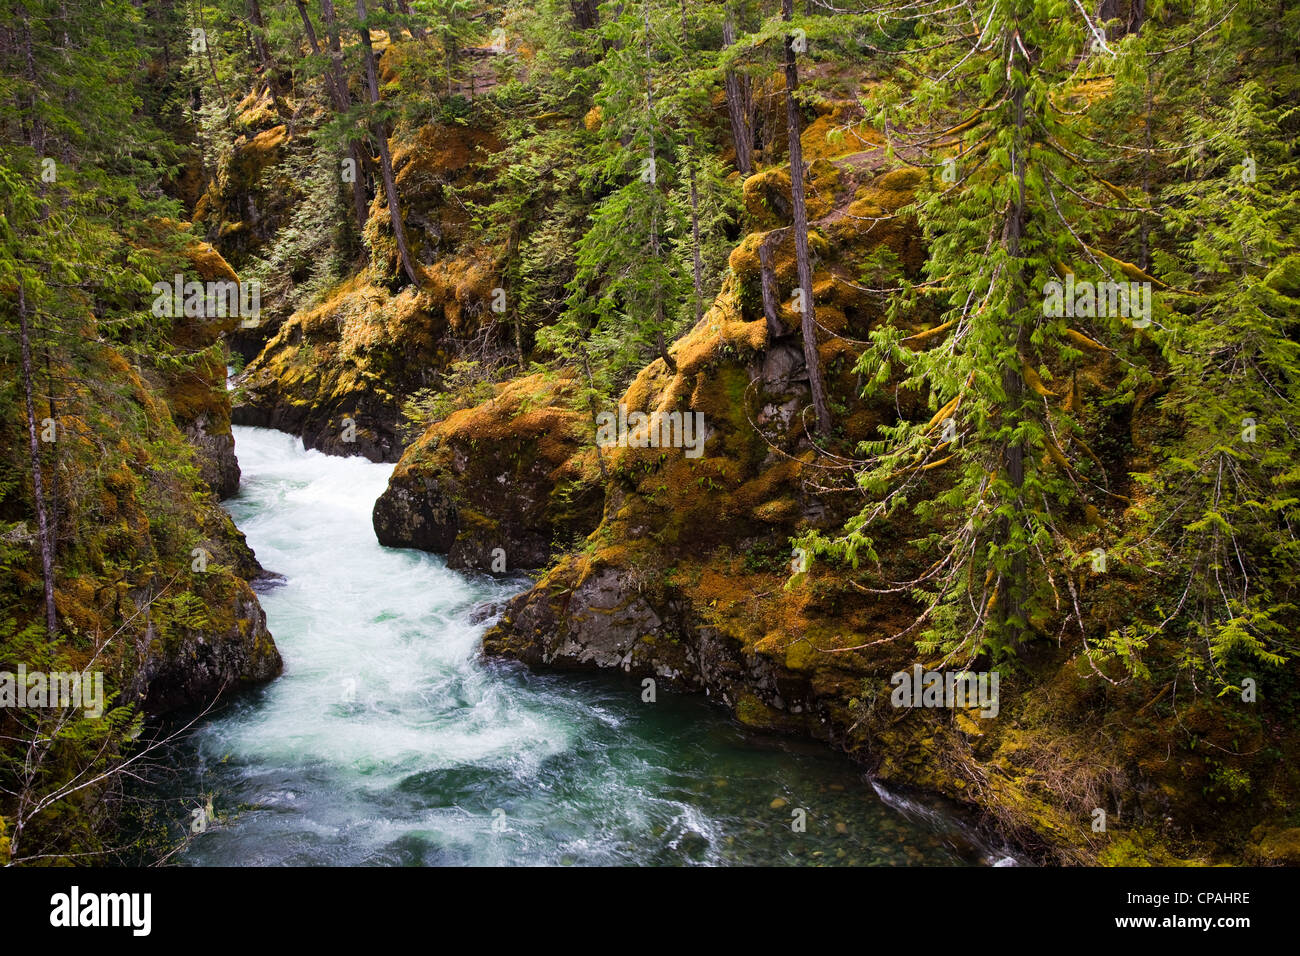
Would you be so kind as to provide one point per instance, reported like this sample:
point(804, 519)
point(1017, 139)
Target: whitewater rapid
point(388, 740)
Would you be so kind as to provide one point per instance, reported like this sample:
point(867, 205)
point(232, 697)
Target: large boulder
point(501, 486)
point(200, 664)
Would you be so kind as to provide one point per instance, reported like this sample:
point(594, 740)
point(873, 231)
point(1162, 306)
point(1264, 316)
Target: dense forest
point(798, 353)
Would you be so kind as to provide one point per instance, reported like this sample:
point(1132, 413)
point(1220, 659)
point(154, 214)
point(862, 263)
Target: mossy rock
point(496, 485)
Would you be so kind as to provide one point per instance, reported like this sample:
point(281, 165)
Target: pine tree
point(340, 97)
point(629, 287)
point(993, 467)
point(1220, 517)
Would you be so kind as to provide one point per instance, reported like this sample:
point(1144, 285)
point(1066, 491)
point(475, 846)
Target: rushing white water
point(388, 741)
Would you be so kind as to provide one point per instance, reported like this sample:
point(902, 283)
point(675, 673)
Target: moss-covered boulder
point(202, 663)
point(337, 373)
point(195, 386)
point(687, 538)
point(333, 372)
point(197, 394)
point(498, 487)
point(684, 578)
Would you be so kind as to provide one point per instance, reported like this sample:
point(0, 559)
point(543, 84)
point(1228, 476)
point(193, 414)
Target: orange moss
point(263, 149)
point(839, 132)
point(721, 328)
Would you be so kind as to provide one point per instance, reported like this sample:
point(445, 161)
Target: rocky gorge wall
point(653, 564)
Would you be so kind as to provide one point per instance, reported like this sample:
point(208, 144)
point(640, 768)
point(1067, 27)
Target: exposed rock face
point(196, 393)
point(415, 512)
point(333, 373)
point(496, 487)
point(607, 623)
point(686, 578)
point(163, 546)
point(217, 462)
point(202, 665)
point(251, 195)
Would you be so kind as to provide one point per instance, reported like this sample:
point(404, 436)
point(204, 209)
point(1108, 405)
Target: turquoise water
point(389, 741)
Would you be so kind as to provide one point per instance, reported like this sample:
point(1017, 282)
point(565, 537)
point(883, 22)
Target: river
point(390, 741)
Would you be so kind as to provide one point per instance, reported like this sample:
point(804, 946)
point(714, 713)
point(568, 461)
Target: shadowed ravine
point(389, 741)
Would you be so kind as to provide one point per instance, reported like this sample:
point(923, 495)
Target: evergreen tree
point(1219, 518)
point(993, 465)
point(629, 287)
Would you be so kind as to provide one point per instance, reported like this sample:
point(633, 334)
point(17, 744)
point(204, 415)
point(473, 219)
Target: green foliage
point(1226, 496)
point(982, 464)
point(465, 384)
point(308, 254)
point(83, 238)
point(632, 291)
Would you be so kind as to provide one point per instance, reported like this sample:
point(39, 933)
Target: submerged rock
point(268, 581)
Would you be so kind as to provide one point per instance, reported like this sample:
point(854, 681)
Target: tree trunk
point(316, 51)
point(38, 487)
point(740, 106)
point(584, 13)
point(655, 251)
point(360, 161)
point(207, 50)
point(1131, 14)
point(809, 325)
point(767, 281)
point(380, 132)
point(595, 410)
point(697, 258)
point(1145, 230)
point(336, 85)
point(411, 26)
point(259, 39)
point(1011, 593)
point(52, 517)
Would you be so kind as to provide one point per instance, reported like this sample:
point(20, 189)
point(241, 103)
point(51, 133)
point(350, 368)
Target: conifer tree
point(994, 467)
point(1220, 513)
point(336, 84)
point(629, 286)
